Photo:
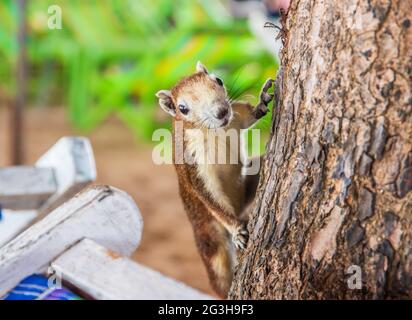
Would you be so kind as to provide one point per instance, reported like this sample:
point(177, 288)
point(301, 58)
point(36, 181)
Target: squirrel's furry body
point(226, 187)
point(214, 195)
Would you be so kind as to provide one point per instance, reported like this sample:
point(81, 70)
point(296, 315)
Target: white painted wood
point(58, 175)
point(74, 168)
point(13, 223)
point(106, 275)
point(24, 187)
point(104, 214)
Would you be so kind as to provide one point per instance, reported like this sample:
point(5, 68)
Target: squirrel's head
point(200, 99)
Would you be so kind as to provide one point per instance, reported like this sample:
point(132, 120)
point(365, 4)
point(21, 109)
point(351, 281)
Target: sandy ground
point(167, 244)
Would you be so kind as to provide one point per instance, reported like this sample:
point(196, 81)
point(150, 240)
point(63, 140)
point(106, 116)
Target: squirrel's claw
point(244, 232)
point(261, 110)
point(240, 238)
point(268, 84)
point(266, 97)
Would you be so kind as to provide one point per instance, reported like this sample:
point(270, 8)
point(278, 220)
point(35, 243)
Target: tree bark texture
point(336, 181)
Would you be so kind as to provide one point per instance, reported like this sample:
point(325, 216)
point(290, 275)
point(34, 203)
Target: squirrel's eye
point(183, 109)
point(219, 81)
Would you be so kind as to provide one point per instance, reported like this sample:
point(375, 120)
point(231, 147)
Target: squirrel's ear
point(201, 68)
point(166, 101)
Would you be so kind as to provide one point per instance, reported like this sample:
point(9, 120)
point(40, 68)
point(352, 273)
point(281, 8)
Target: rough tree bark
point(337, 176)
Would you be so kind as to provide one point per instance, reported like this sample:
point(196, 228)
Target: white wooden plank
point(13, 223)
point(106, 275)
point(74, 167)
point(24, 187)
point(104, 214)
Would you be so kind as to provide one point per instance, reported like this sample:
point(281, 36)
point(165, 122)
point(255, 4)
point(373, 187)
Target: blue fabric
point(36, 287)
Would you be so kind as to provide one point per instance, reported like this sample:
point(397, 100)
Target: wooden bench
point(33, 191)
point(59, 174)
point(87, 241)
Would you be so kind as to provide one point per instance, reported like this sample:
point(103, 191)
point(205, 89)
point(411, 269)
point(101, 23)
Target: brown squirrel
point(214, 195)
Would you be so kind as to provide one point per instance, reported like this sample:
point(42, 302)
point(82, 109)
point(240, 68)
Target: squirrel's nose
point(222, 113)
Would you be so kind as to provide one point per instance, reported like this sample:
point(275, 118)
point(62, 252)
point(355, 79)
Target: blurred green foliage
point(112, 56)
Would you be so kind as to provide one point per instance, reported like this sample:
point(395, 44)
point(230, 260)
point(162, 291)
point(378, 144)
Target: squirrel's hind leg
point(216, 250)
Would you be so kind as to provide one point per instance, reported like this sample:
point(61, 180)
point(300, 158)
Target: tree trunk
point(332, 217)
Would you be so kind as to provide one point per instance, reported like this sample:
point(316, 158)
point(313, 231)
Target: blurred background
point(95, 74)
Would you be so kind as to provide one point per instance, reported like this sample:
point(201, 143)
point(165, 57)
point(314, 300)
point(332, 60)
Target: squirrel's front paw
point(240, 237)
point(261, 110)
point(265, 97)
